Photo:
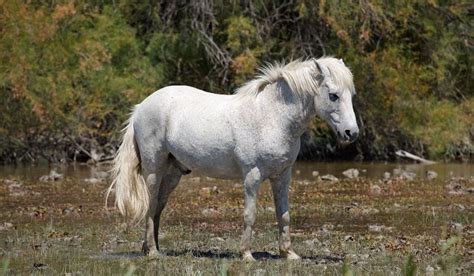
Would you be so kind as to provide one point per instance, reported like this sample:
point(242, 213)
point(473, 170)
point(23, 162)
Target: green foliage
point(241, 34)
point(449, 250)
point(71, 71)
point(412, 65)
point(410, 266)
point(5, 264)
point(346, 269)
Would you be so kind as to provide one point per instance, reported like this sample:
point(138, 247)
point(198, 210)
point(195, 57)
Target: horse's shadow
point(224, 255)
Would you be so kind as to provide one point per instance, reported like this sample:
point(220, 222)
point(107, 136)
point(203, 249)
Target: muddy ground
point(389, 219)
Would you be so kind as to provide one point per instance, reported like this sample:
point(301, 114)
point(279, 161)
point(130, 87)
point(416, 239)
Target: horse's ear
point(325, 75)
point(323, 69)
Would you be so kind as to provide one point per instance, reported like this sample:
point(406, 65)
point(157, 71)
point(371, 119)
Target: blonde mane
point(300, 76)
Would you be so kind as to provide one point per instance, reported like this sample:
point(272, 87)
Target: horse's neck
point(293, 112)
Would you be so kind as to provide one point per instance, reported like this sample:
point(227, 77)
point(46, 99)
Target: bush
point(71, 71)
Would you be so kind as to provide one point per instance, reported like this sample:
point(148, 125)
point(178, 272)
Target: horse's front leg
point(280, 186)
point(252, 183)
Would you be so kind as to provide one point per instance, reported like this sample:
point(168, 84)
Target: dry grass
point(338, 227)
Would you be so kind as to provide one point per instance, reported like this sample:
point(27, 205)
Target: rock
point(68, 210)
point(375, 190)
point(15, 188)
point(409, 176)
point(217, 239)
point(370, 211)
point(397, 171)
point(458, 186)
point(313, 242)
point(39, 266)
point(454, 186)
point(11, 183)
point(329, 177)
point(100, 174)
point(6, 226)
point(379, 228)
point(375, 228)
point(457, 227)
point(429, 271)
point(351, 173)
point(269, 209)
point(44, 178)
point(328, 227)
point(93, 180)
point(210, 190)
point(315, 173)
point(209, 211)
point(386, 175)
point(459, 206)
point(52, 176)
point(456, 193)
point(348, 238)
point(430, 175)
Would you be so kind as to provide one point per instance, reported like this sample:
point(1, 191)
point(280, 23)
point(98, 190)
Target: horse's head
point(334, 100)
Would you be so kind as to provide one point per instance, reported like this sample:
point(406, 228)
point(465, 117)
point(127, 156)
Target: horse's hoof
point(290, 255)
point(247, 256)
point(152, 254)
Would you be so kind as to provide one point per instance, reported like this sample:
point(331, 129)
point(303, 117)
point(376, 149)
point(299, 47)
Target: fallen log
point(406, 154)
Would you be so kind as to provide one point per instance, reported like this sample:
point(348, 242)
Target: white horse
point(253, 135)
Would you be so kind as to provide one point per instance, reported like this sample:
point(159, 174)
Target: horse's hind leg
point(153, 171)
point(168, 184)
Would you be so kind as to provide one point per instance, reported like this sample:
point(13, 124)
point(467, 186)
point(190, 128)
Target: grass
point(338, 228)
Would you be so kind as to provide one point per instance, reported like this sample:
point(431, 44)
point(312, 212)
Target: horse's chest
point(270, 154)
point(278, 155)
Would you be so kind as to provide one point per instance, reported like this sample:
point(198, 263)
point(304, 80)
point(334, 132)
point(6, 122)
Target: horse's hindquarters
point(193, 126)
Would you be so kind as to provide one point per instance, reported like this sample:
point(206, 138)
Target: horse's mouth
point(343, 139)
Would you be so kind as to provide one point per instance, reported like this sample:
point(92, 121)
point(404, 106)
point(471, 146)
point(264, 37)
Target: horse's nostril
point(348, 133)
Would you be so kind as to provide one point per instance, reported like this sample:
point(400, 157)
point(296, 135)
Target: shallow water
point(377, 170)
point(302, 170)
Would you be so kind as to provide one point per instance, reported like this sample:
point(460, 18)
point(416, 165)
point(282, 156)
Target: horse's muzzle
point(348, 136)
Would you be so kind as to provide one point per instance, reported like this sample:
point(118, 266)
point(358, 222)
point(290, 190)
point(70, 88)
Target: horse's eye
point(333, 97)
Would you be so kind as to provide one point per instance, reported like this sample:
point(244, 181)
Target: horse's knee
point(249, 216)
point(285, 217)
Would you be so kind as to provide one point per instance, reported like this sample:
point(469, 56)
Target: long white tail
point(131, 192)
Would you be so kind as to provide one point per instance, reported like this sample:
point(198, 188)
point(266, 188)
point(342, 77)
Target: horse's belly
point(222, 172)
point(207, 153)
point(217, 165)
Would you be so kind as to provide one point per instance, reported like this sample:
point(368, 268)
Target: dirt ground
point(400, 223)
